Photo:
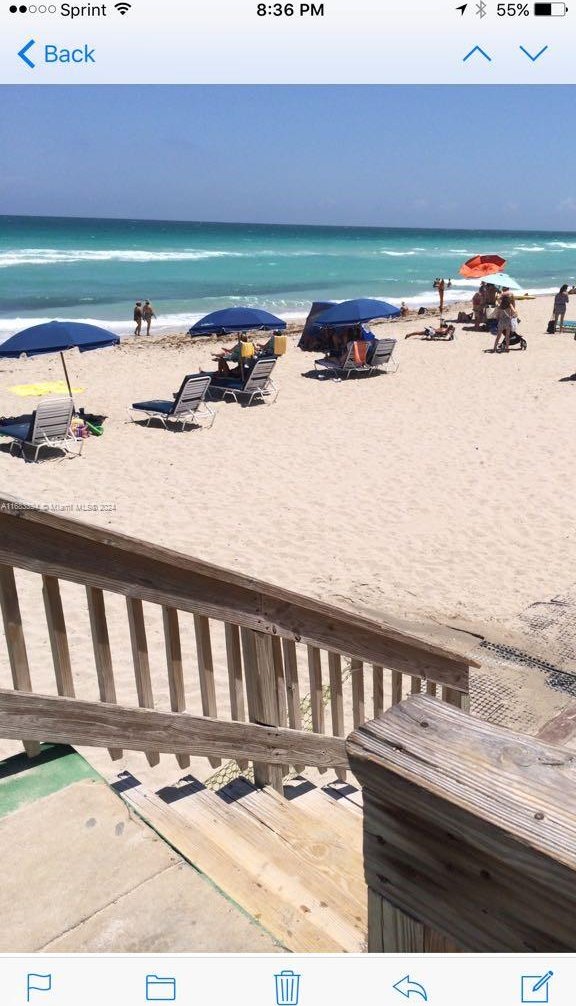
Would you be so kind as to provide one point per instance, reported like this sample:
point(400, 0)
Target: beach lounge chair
point(257, 384)
point(568, 326)
point(383, 355)
point(187, 407)
point(49, 427)
point(361, 358)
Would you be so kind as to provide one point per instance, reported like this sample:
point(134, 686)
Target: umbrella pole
point(67, 377)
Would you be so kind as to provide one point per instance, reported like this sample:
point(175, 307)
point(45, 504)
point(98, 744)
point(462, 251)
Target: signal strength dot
point(123, 7)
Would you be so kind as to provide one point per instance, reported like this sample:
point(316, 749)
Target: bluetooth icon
point(481, 9)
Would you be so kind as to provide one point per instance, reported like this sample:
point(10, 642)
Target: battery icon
point(550, 9)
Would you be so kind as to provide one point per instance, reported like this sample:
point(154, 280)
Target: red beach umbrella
point(482, 265)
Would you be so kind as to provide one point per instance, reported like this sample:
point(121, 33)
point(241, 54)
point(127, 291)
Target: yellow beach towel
point(247, 350)
point(43, 388)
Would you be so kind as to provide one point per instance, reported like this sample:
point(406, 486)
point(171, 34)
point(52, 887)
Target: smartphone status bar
point(263, 42)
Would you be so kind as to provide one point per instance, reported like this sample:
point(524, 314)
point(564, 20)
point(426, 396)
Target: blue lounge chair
point(257, 384)
point(186, 408)
point(48, 427)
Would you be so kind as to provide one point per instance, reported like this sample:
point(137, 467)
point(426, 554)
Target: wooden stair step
point(318, 803)
point(271, 892)
point(321, 847)
point(286, 870)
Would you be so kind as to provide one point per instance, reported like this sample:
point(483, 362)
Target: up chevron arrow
point(529, 54)
point(479, 50)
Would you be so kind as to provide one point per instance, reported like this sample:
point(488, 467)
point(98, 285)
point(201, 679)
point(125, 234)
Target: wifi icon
point(122, 7)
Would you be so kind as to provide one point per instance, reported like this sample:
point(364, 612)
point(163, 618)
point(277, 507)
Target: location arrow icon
point(407, 988)
point(462, 9)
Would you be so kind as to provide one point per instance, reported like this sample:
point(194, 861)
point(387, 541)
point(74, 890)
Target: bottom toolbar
point(287, 980)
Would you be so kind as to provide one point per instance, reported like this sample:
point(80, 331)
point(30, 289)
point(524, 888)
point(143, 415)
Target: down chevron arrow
point(529, 54)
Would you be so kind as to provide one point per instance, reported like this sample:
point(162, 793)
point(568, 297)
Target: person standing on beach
point(138, 315)
point(507, 320)
point(441, 290)
point(148, 312)
point(561, 301)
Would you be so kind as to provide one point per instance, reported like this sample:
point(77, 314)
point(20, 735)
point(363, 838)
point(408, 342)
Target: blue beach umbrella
point(57, 337)
point(355, 312)
point(236, 319)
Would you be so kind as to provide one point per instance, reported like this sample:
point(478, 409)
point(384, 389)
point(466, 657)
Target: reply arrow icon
point(407, 988)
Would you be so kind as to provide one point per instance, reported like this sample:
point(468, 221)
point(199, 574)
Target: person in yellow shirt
point(242, 353)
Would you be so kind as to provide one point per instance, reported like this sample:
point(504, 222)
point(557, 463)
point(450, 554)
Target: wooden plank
point(99, 724)
point(235, 682)
point(327, 863)
point(16, 643)
point(262, 696)
point(431, 688)
point(55, 545)
point(206, 670)
point(268, 697)
point(175, 669)
point(377, 690)
point(561, 728)
point(444, 790)
point(280, 681)
point(102, 654)
point(452, 697)
point(332, 813)
point(391, 931)
point(58, 636)
point(294, 708)
point(415, 686)
point(266, 889)
point(397, 687)
point(140, 659)
point(337, 701)
point(358, 710)
point(316, 696)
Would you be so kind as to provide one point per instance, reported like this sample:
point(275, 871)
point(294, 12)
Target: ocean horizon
point(94, 269)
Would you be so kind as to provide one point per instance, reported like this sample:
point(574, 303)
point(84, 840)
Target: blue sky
point(406, 156)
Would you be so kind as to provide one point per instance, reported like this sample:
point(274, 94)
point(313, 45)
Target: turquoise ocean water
point(96, 269)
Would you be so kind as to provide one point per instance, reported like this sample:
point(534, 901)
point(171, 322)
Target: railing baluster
point(58, 636)
point(141, 661)
point(234, 658)
point(397, 685)
point(292, 688)
point(378, 690)
point(358, 711)
point(262, 698)
point(206, 672)
point(174, 667)
point(337, 701)
point(102, 655)
point(280, 687)
point(415, 686)
point(316, 696)
point(17, 654)
point(431, 688)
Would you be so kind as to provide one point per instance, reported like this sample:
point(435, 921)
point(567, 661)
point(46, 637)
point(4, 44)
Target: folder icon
point(160, 990)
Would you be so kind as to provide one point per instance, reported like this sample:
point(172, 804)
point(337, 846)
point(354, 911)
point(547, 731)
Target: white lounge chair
point(379, 355)
point(48, 427)
point(188, 406)
point(258, 384)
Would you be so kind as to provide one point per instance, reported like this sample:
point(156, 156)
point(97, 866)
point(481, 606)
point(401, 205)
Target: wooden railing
point(253, 636)
point(469, 834)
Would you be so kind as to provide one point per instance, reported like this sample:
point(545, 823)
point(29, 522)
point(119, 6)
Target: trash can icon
point(287, 988)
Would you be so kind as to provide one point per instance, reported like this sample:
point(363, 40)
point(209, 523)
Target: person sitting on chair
point(244, 350)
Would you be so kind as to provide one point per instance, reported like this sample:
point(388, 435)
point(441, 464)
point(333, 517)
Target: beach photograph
point(287, 422)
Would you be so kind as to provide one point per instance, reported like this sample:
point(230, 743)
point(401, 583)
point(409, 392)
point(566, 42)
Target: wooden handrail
point(100, 724)
point(47, 543)
point(469, 834)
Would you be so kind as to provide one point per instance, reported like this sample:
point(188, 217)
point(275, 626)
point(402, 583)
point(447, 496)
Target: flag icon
point(37, 983)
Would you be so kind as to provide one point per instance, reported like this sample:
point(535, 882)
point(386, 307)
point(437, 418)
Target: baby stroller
point(515, 340)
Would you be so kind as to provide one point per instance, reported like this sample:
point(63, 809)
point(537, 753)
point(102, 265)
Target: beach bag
point(280, 345)
point(551, 330)
point(246, 350)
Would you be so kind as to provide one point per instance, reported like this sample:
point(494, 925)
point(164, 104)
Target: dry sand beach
point(444, 492)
